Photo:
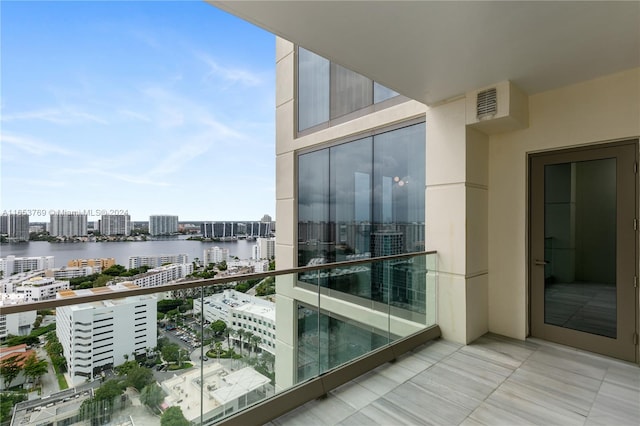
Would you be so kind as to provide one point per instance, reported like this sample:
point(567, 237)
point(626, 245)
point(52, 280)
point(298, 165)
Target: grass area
point(62, 382)
point(185, 365)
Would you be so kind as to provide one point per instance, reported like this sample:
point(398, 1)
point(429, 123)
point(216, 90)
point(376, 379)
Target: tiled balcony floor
point(493, 381)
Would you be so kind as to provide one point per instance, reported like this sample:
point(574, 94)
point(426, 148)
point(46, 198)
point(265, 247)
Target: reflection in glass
point(580, 246)
point(365, 199)
point(326, 341)
point(382, 93)
point(313, 89)
point(350, 91)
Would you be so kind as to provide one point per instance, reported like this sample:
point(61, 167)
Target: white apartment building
point(19, 324)
point(68, 272)
point(157, 261)
point(255, 265)
point(9, 284)
point(242, 311)
point(215, 255)
point(13, 265)
point(266, 248)
point(118, 224)
point(162, 275)
point(41, 288)
point(98, 335)
point(68, 225)
point(163, 225)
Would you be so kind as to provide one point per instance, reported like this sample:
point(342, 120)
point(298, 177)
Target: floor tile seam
point(569, 406)
point(392, 414)
point(529, 375)
point(597, 395)
point(490, 361)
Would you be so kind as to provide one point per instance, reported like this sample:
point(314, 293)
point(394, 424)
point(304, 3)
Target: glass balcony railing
point(199, 352)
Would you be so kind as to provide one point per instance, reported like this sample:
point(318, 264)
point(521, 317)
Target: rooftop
point(494, 380)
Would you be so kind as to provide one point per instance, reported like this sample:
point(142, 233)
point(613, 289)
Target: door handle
point(540, 262)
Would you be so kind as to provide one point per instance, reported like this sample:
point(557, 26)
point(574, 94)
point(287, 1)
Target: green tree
point(240, 333)
point(115, 270)
point(222, 266)
point(139, 377)
point(218, 327)
point(170, 352)
point(228, 333)
point(35, 369)
point(7, 401)
point(9, 370)
point(152, 395)
point(108, 391)
point(173, 417)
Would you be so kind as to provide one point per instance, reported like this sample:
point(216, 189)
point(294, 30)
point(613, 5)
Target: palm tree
point(240, 333)
point(218, 349)
point(247, 338)
point(228, 332)
point(255, 341)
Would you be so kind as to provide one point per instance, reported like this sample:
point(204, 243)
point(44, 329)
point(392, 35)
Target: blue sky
point(154, 107)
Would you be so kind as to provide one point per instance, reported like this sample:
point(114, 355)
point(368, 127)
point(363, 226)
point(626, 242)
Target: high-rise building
point(15, 227)
point(68, 225)
point(266, 248)
point(215, 255)
point(100, 335)
point(163, 225)
point(115, 224)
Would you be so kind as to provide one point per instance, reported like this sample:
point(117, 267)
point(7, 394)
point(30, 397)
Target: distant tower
point(163, 224)
point(68, 225)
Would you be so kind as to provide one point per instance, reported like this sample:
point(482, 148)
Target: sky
point(148, 107)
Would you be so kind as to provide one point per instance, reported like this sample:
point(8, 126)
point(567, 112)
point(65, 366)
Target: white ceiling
point(431, 51)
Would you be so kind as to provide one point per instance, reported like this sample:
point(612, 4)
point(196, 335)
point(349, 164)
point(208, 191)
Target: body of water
point(121, 251)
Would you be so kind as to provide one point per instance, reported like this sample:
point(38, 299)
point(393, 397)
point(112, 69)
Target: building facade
point(115, 224)
point(162, 275)
point(104, 263)
point(41, 288)
point(215, 255)
point(242, 311)
point(68, 225)
point(15, 227)
point(157, 261)
point(163, 225)
point(14, 265)
point(100, 335)
point(19, 324)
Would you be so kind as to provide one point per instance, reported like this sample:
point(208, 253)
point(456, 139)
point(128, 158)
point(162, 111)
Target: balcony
point(379, 366)
point(495, 380)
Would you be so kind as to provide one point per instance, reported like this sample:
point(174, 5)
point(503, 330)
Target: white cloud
point(228, 74)
point(61, 115)
point(34, 146)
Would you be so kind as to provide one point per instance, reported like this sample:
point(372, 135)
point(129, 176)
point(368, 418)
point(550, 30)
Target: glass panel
point(580, 246)
point(313, 89)
point(350, 91)
point(382, 93)
point(314, 234)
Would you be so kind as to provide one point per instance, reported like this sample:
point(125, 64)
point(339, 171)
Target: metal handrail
point(67, 301)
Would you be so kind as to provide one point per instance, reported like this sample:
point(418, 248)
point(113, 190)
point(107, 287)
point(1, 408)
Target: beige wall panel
point(452, 303)
point(383, 118)
point(285, 256)
point(285, 212)
point(284, 128)
point(285, 172)
point(477, 243)
point(283, 48)
point(445, 226)
point(604, 109)
point(477, 158)
point(446, 143)
point(284, 79)
point(477, 307)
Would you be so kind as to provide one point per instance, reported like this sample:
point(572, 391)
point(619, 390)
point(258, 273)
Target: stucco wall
point(595, 111)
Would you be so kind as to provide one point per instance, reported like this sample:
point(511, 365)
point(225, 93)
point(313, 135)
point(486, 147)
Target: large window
point(361, 199)
point(327, 91)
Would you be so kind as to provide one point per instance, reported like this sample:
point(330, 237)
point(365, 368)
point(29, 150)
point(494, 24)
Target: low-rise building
point(102, 263)
point(9, 284)
point(68, 272)
point(242, 311)
point(41, 288)
point(224, 392)
point(162, 275)
point(19, 324)
point(19, 353)
point(156, 261)
point(61, 408)
point(14, 265)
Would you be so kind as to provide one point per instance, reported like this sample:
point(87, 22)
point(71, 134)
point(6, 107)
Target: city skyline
point(144, 107)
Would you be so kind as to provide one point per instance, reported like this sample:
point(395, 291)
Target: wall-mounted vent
point(487, 103)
